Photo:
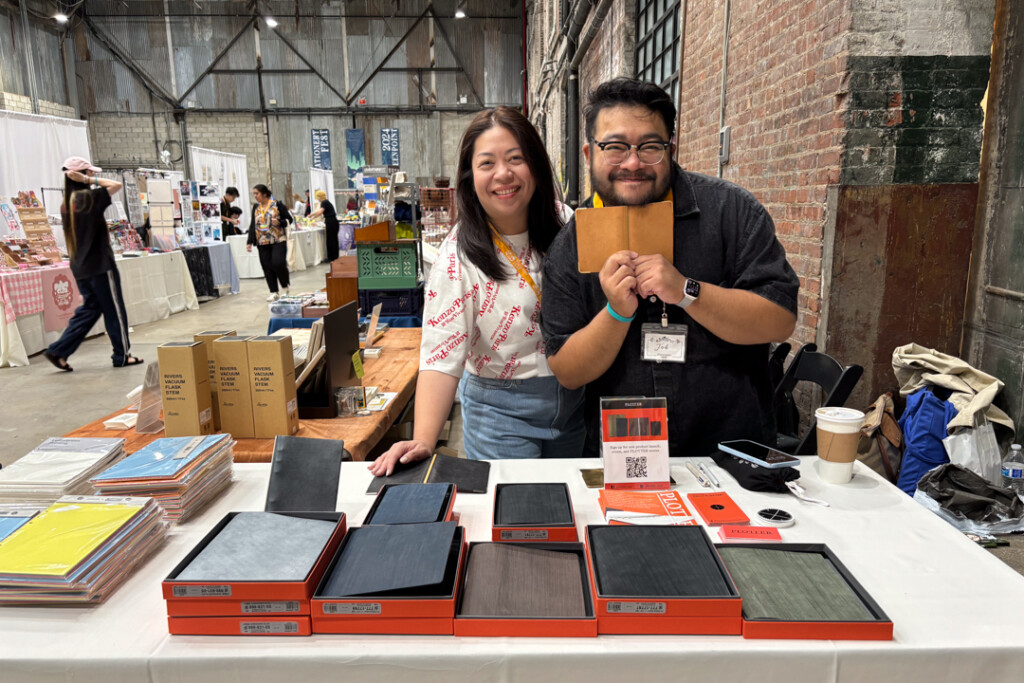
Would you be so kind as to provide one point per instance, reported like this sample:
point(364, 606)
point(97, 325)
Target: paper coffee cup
point(838, 435)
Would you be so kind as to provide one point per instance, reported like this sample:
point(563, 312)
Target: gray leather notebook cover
point(411, 504)
point(304, 475)
point(653, 561)
point(792, 586)
point(532, 504)
point(261, 546)
point(382, 559)
point(509, 580)
point(469, 476)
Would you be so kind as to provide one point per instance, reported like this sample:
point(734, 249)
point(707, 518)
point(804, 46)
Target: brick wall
point(783, 102)
point(23, 103)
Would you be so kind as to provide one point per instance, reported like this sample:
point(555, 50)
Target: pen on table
point(697, 475)
point(707, 472)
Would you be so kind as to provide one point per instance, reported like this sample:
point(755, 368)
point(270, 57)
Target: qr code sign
point(636, 467)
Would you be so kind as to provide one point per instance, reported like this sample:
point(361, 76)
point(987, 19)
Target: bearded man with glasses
point(728, 290)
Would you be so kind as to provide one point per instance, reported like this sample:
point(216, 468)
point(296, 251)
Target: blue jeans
point(520, 418)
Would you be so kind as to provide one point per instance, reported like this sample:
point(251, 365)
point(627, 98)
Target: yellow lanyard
point(599, 203)
point(505, 249)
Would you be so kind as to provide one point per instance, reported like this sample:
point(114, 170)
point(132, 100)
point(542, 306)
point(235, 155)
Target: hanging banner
point(321, 148)
point(60, 299)
point(389, 149)
point(356, 153)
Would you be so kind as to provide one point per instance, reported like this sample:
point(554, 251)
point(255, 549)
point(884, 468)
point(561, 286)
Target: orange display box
point(445, 515)
point(540, 627)
point(235, 599)
point(396, 615)
point(239, 626)
point(554, 532)
point(879, 628)
point(668, 614)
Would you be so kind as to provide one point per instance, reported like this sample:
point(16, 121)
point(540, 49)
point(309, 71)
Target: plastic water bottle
point(1013, 469)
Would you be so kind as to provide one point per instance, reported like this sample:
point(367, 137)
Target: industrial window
point(657, 43)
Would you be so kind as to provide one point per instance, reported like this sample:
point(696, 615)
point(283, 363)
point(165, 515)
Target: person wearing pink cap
point(92, 263)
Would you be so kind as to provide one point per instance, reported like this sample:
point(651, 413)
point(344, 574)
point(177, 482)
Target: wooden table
point(395, 370)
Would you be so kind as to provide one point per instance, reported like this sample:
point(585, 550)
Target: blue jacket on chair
point(924, 427)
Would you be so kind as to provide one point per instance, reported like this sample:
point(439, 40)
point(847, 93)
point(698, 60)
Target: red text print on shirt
point(501, 334)
point(455, 309)
point(510, 367)
point(490, 296)
point(441, 351)
point(431, 294)
point(481, 361)
point(454, 270)
point(534, 320)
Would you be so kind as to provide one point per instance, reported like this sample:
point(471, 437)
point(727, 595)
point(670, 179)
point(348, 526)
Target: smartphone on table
point(759, 454)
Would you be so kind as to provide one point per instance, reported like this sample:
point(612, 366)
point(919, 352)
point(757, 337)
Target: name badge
point(663, 344)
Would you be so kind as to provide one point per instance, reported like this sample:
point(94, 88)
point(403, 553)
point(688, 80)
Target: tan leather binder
point(601, 232)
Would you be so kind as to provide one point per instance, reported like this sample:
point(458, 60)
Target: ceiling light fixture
point(460, 9)
point(271, 22)
point(460, 14)
point(61, 18)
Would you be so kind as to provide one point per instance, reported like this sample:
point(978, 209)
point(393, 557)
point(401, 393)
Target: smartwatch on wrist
point(691, 290)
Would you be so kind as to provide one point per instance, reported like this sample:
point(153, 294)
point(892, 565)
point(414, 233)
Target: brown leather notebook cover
point(601, 232)
point(508, 580)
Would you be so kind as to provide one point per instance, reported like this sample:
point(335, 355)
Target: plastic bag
point(976, 449)
point(969, 502)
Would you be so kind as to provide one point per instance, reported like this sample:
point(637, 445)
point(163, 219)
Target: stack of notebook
point(79, 549)
point(13, 517)
point(58, 467)
point(181, 473)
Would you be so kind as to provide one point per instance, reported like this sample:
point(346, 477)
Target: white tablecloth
point(306, 248)
point(154, 287)
point(956, 609)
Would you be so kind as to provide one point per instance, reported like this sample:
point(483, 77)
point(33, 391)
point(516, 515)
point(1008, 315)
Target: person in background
point(331, 226)
point(92, 264)
point(308, 209)
point(299, 205)
point(228, 225)
point(236, 214)
point(481, 322)
point(268, 232)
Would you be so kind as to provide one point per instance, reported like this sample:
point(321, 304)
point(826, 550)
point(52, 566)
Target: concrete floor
point(40, 401)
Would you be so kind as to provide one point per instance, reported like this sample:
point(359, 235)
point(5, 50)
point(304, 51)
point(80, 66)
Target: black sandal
point(58, 362)
point(130, 360)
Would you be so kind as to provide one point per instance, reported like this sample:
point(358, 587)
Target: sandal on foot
point(130, 360)
point(58, 362)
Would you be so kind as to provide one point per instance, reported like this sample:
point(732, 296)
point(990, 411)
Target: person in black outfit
point(268, 232)
point(228, 221)
point(92, 264)
point(331, 225)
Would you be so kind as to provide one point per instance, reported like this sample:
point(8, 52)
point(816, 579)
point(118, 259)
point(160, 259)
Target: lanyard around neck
point(506, 250)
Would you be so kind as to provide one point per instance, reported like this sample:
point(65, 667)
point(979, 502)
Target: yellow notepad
point(60, 537)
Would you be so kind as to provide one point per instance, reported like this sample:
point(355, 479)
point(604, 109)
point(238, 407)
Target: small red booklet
point(643, 507)
point(732, 533)
point(717, 508)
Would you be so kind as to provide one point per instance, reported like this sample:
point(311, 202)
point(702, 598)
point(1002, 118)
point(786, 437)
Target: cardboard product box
point(205, 338)
point(555, 523)
point(275, 409)
point(874, 626)
point(499, 626)
point(234, 396)
point(185, 389)
point(402, 612)
point(253, 625)
point(665, 614)
point(442, 513)
point(248, 600)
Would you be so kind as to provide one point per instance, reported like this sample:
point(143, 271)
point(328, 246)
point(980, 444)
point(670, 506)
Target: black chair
point(777, 362)
point(836, 382)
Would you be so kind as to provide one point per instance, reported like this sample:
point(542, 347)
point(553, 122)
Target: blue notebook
point(164, 458)
point(8, 525)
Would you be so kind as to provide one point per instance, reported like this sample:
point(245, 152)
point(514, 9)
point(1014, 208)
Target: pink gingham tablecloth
point(22, 293)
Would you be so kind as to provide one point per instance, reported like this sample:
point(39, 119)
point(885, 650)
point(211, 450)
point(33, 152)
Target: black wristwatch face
point(692, 288)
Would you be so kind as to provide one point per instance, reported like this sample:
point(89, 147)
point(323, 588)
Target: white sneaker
point(273, 296)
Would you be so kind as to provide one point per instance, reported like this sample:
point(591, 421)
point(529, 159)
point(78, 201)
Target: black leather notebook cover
point(654, 561)
point(532, 504)
point(410, 504)
point(469, 476)
point(382, 560)
point(304, 474)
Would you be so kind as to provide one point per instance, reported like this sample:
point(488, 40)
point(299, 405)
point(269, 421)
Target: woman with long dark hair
point(331, 225)
point(481, 321)
point(92, 264)
point(268, 232)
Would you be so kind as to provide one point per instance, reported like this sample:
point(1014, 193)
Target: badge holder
point(664, 342)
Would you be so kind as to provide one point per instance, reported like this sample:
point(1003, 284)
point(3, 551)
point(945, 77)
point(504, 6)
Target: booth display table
point(154, 287)
point(306, 248)
point(213, 270)
point(394, 371)
point(956, 609)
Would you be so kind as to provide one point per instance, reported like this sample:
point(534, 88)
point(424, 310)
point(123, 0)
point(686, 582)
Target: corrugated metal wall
point(51, 83)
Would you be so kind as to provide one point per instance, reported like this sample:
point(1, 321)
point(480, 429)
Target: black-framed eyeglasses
point(649, 153)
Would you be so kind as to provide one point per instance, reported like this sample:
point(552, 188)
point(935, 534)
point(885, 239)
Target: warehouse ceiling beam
point(216, 60)
point(111, 45)
point(389, 55)
point(312, 68)
point(455, 56)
